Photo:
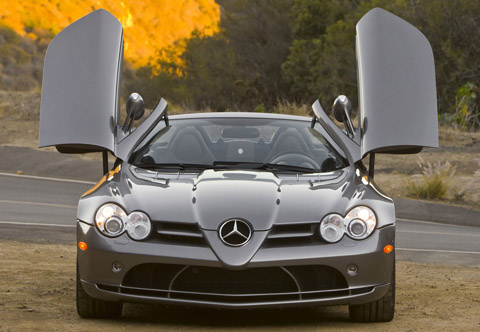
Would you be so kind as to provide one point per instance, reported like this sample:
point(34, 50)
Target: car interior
point(286, 145)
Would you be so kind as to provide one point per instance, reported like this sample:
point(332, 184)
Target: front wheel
point(89, 307)
point(381, 310)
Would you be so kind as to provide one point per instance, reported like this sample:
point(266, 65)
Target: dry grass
point(436, 180)
point(286, 107)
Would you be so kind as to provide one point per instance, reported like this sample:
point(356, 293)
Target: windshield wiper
point(229, 165)
point(291, 168)
point(175, 166)
point(237, 164)
point(262, 166)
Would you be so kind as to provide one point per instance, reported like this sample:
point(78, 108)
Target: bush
point(447, 119)
point(435, 182)
point(21, 62)
point(467, 113)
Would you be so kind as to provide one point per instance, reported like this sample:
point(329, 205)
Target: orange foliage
point(149, 25)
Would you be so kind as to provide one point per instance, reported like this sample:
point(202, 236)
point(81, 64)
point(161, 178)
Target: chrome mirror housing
point(135, 109)
point(342, 111)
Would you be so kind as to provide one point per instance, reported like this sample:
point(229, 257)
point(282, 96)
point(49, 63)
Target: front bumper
point(290, 275)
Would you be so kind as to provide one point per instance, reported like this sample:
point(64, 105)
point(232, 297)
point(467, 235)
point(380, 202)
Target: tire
point(381, 310)
point(89, 307)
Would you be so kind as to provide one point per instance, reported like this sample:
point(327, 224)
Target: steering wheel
point(295, 159)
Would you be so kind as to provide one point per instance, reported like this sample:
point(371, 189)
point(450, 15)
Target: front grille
point(293, 234)
point(293, 230)
point(178, 233)
point(189, 234)
point(255, 285)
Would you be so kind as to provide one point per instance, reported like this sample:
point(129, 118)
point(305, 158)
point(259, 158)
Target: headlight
point(110, 219)
point(138, 225)
point(332, 228)
point(358, 224)
point(114, 225)
point(361, 222)
point(113, 221)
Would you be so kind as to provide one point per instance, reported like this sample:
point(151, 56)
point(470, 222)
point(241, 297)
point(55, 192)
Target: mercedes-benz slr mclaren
point(238, 210)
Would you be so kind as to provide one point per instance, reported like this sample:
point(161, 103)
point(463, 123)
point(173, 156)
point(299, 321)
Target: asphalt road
point(39, 209)
point(43, 209)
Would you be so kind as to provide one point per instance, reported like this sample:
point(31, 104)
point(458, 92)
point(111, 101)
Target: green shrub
point(467, 113)
point(260, 108)
point(447, 119)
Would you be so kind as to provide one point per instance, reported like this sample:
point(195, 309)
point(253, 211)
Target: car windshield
point(239, 143)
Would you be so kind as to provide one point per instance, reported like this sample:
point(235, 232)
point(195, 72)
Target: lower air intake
point(254, 285)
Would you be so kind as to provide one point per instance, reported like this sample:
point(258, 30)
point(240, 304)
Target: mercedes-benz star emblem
point(235, 232)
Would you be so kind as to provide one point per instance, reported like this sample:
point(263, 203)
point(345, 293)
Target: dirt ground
point(37, 293)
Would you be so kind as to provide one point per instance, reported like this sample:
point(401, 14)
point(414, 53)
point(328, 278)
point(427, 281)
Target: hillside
point(149, 25)
point(21, 60)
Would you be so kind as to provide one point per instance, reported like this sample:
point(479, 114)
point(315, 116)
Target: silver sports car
point(238, 210)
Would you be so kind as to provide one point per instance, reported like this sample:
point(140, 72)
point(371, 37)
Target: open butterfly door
point(80, 90)
point(397, 90)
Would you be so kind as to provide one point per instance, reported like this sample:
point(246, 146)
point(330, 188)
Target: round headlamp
point(332, 228)
point(110, 219)
point(360, 222)
point(138, 225)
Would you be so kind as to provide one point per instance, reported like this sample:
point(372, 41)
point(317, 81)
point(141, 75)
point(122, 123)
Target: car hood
point(261, 198)
point(211, 197)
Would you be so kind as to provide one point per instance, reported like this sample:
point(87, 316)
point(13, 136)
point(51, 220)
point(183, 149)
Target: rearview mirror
point(135, 110)
point(342, 111)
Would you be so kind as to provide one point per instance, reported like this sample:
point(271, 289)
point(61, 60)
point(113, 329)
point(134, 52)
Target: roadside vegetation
point(435, 182)
point(267, 52)
point(21, 60)
point(258, 55)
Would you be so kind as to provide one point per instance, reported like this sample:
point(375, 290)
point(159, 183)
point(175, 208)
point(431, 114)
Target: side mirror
point(135, 110)
point(342, 111)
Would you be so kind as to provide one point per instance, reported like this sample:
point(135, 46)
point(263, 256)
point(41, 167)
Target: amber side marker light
point(388, 249)
point(82, 245)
